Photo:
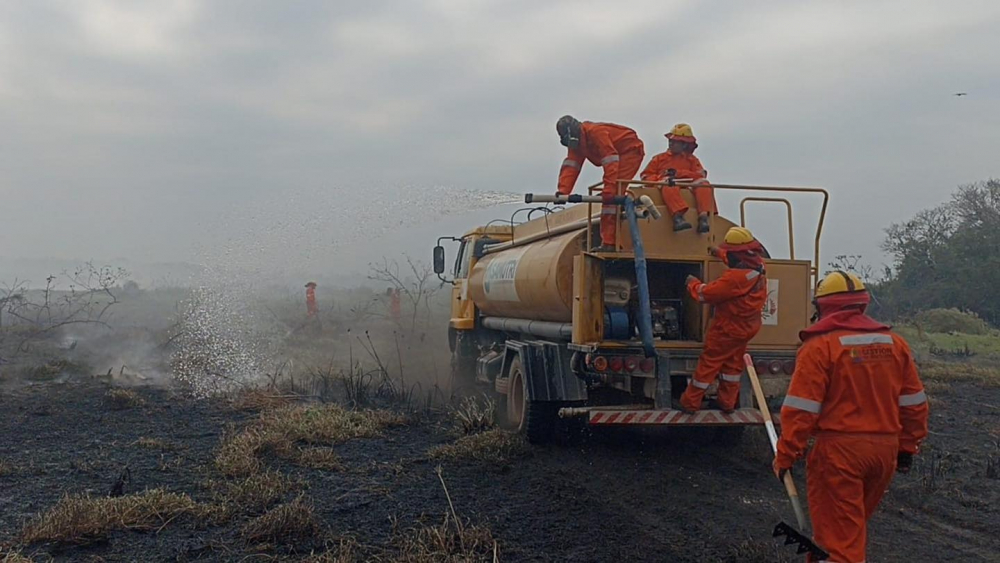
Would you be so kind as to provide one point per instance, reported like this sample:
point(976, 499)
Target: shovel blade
point(794, 537)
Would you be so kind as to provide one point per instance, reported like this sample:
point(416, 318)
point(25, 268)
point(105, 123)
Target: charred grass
point(83, 519)
point(123, 399)
point(14, 557)
point(291, 522)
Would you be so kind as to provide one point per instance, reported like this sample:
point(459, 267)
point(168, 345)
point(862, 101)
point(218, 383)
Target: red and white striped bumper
point(675, 417)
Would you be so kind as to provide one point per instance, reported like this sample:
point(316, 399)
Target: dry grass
point(948, 372)
point(121, 399)
point(348, 551)
point(753, 551)
point(156, 444)
point(283, 524)
point(81, 519)
point(474, 415)
point(259, 400)
point(253, 494)
point(319, 458)
point(283, 431)
point(14, 557)
point(492, 446)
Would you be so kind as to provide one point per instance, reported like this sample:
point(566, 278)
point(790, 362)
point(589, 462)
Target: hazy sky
point(130, 127)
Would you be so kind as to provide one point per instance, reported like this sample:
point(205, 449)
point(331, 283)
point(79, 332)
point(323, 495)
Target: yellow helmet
point(738, 235)
point(681, 132)
point(840, 282)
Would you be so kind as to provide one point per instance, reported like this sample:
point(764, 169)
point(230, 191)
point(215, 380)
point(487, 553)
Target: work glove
point(779, 472)
point(904, 461)
point(687, 280)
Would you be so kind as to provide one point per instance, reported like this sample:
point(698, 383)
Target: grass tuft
point(82, 519)
point(122, 399)
point(14, 557)
point(155, 444)
point(492, 446)
point(283, 431)
point(283, 524)
point(474, 416)
point(253, 494)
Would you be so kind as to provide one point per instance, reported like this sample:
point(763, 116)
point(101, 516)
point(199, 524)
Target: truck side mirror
point(439, 259)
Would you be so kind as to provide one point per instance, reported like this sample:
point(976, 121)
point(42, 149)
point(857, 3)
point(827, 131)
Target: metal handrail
point(788, 207)
point(623, 185)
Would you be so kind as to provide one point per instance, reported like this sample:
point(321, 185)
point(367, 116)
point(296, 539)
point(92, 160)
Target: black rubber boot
point(676, 405)
point(703, 223)
point(680, 224)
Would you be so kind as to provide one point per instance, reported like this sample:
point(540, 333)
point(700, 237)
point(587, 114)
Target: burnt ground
point(611, 496)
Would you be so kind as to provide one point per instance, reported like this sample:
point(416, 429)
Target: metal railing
point(624, 185)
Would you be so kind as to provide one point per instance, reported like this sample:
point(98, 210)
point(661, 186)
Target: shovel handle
point(793, 493)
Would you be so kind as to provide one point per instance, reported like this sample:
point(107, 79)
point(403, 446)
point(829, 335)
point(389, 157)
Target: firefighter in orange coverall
point(738, 297)
point(856, 390)
point(311, 308)
point(615, 148)
point(680, 162)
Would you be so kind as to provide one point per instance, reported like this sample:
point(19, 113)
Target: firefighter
point(615, 148)
point(311, 308)
point(738, 297)
point(856, 391)
point(395, 304)
point(679, 162)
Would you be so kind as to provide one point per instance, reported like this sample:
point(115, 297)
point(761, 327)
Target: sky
point(139, 130)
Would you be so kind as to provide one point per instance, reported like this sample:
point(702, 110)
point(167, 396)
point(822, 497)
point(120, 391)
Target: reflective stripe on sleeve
point(862, 339)
point(699, 384)
point(732, 378)
point(609, 210)
point(912, 399)
point(807, 405)
point(609, 159)
point(752, 274)
point(701, 293)
point(571, 163)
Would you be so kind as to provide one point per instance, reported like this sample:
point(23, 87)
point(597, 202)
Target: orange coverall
point(311, 308)
point(619, 151)
point(395, 305)
point(687, 166)
point(859, 394)
point(738, 296)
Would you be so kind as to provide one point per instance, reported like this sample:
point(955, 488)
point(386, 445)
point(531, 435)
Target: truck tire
point(533, 419)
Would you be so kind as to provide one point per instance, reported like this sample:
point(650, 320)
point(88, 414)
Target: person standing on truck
point(311, 308)
point(615, 148)
point(738, 297)
point(856, 391)
point(680, 163)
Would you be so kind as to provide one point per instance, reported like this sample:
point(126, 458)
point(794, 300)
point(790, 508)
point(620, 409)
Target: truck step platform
point(626, 417)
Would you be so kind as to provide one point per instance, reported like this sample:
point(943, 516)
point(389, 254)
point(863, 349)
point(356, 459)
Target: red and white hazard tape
point(676, 417)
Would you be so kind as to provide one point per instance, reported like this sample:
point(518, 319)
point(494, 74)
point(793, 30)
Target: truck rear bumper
point(630, 417)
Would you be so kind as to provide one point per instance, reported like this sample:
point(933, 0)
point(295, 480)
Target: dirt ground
point(609, 496)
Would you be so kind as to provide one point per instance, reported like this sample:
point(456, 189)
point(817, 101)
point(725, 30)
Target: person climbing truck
point(738, 297)
point(680, 163)
point(856, 390)
point(615, 148)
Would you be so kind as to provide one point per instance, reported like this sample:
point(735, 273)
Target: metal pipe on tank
point(545, 329)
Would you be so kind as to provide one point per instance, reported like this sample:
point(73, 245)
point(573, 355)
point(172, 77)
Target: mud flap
point(547, 372)
point(664, 392)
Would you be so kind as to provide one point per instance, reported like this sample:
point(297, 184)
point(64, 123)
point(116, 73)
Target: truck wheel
point(534, 420)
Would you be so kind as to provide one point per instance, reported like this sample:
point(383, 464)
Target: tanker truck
point(557, 331)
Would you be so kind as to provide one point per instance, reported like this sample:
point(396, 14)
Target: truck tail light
point(631, 364)
point(616, 363)
point(788, 367)
point(761, 366)
point(647, 365)
point(775, 367)
point(600, 363)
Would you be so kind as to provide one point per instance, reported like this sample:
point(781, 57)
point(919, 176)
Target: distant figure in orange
point(311, 308)
point(395, 304)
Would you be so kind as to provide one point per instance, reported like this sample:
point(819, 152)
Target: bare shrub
point(81, 519)
point(951, 320)
point(123, 399)
point(283, 524)
point(492, 446)
point(476, 415)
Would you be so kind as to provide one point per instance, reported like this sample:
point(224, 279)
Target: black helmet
point(569, 131)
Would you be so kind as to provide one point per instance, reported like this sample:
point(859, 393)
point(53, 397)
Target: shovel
point(792, 536)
